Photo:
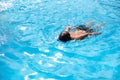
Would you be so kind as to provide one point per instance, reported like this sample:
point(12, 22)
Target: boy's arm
point(80, 37)
point(94, 33)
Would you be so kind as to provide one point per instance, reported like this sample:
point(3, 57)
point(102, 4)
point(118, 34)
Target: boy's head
point(64, 36)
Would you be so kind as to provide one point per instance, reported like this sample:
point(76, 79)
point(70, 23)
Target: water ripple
point(29, 49)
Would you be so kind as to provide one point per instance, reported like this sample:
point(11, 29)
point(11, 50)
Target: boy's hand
point(68, 27)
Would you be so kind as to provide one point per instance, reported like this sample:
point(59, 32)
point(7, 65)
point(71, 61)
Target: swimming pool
point(29, 49)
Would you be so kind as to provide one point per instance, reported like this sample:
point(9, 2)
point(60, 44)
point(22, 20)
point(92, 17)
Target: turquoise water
point(29, 49)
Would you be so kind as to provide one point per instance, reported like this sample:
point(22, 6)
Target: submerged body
point(78, 33)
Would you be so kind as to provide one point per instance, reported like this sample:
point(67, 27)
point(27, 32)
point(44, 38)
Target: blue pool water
point(29, 49)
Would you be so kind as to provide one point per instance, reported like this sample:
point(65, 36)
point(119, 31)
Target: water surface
point(29, 49)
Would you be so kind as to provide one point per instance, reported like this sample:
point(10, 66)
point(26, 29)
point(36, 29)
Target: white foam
point(60, 47)
point(2, 54)
point(43, 55)
point(50, 79)
point(3, 39)
point(54, 59)
point(6, 5)
point(31, 55)
point(41, 78)
point(27, 76)
point(46, 79)
point(23, 69)
point(34, 73)
point(23, 28)
point(58, 55)
point(40, 62)
point(46, 50)
point(50, 65)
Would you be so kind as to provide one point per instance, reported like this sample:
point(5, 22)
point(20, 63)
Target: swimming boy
point(79, 32)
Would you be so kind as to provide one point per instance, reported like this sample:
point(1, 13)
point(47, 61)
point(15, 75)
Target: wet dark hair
point(64, 36)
